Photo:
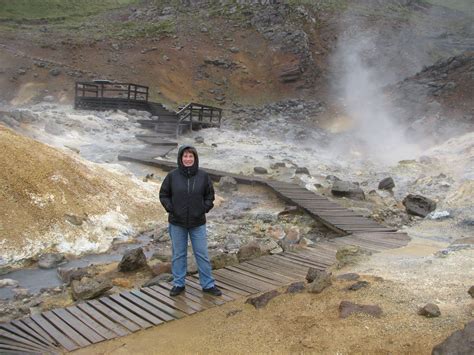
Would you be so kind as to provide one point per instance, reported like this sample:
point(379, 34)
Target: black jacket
point(187, 193)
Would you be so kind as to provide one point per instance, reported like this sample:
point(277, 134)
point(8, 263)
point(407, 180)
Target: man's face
point(188, 159)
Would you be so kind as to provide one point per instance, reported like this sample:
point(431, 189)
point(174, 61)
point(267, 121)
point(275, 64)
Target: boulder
point(161, 268)
point(471, 291)
point(320, 282)
point(276, 232)
point(460, 342)
point(269, 246)
point(67, 275)
point(347, 189)
point(346, 308)
point(358, 285)
point(262, 300)
point(386, 184)
point(430, 310)
point(158, 279)
point(260, 170)
point(418, 205)
point(132, 260)
point(296, 287)
point(88, 288)
point(249, 251)
point(222, 260)
point(227, 184)
point(50, 260)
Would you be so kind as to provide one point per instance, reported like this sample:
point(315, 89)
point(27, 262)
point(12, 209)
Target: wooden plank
point(8, 347)
point(259, 285)
point(186, 294)
point(301, 261)
point(26, 334)
point(227, 287)
point(125, 312)
point(138, 310)
point(236, 284)
point(54, 333)
point(198, 293)
point(108, 318)
point(172, 302)
point(290, 263)
point(84, 318)
point(198, 287)
point(66, 329)
point(86, 332)
point(319, 260)
point(286, 265)
point(44, 340)
point(13, 339)
point(265, 273)
point(256, 276)
point(277, 268)
point(226, 293)
point(173, 312)
point(28, 322)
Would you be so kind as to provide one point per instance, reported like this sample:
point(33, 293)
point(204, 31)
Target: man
point(187, 195)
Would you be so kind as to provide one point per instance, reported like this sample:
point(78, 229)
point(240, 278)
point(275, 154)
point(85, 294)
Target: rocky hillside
point(217, 52)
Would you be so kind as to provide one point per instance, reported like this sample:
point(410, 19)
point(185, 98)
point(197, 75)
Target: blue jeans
point(179, 241)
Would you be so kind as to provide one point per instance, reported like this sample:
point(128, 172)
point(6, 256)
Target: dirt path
point(400, 281)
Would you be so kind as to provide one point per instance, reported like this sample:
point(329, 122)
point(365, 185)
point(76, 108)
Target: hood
point(192, 170)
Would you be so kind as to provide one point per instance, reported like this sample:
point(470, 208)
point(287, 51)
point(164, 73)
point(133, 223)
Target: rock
point(346, 308)
point(302, 170)
point(347, 189)
point(471, 291)
point(55, 72)
point(312, 274)
point(8, 282)
point(161, 268)
point(332, 178)
point(249, 251)
point(122, 282)
point(132, 260)
point(320, 282)
point(358, 285)
point(438, 215)
point(222, 260)
point(459, 342)
point(386, 184)
point(162, 255)
point(296, 287)
point(349, 255)
point(227, 184)
point(67, 275)
point(260, 170)
point(50, 260)
point(292, 235)
point(234, 49)
point(158, 279)
point(199, 140)
point(430, 310)
point(268, 246)
point(277, 165)
point(262, 300)
point(88, 288)
point(418, 205)
point(276, 232)
point(351, 276)
point(73, 219)
point(20, 293)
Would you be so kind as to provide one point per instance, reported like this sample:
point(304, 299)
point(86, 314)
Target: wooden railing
point(202, 114)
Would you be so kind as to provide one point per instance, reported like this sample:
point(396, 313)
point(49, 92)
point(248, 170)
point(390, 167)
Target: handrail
point(202, 111)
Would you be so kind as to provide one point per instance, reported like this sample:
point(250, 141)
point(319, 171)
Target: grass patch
point(31, 10)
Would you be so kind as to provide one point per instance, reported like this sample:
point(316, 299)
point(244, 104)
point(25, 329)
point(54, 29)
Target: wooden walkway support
point(109, 317)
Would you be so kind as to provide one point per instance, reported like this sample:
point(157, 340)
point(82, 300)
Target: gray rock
point(55, 72)
point(67, 275)
point(346, 308)
point(302, 170)
point(158, 279)
point(358, 285)
point(386, 184)
point(418, 205)
point(471, 291)
point(50, 260)
point(73, 219)
point(161, 268)
point(430, 310)
point(347, 189)
point(8, 282)
point(227, 184)
point(312, 274)
point(296, 287)
point(88, 288)
point(459, 342)
point(222, 260)
point(262, 300)
point(320, 282)
point(249, 251)
point(260, 170)
point(199, 140)
point(132, 260)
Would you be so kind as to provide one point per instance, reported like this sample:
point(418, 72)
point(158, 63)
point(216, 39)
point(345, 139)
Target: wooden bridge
point(106, 95)
point(121, 314)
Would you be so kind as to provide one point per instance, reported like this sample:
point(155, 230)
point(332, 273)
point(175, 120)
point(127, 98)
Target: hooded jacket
point(187, 193)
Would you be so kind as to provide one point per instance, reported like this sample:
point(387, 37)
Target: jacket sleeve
point(165, 194)
point(209, 195)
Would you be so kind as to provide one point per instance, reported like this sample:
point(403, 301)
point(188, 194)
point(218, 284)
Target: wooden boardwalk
point(109, 317)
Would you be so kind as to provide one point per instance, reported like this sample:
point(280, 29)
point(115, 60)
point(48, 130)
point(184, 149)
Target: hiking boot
point(213, 291)
point(176, 290)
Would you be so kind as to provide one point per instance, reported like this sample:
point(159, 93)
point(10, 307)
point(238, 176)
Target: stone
point(263, 299)
point(346, 308)
point(302, 170)
point(55, 72)
point(358, 285)
point(67, 275)
point(430, 310)
point(222, 260)
point(386, 184)
point(471, 291)
point(88, 288)
point(350, 254)
point(293, 235)
point(332, 178)
point(161, 268)
point(418, 205)
point(459, 342)
point(347, 189)
point(296, 287)
point(249, 251)
point(73, 219)
point(50, 260)
point(276, 232)
point(132, 260)
point(227, 184)
point(158, 279)
point(351, 276)
point(122, 282)
point(199, 140)
point(8, 282)
point(312, 274)
point(320, 282)
point(260, 170)
point(20, 293)
point(268, 245)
